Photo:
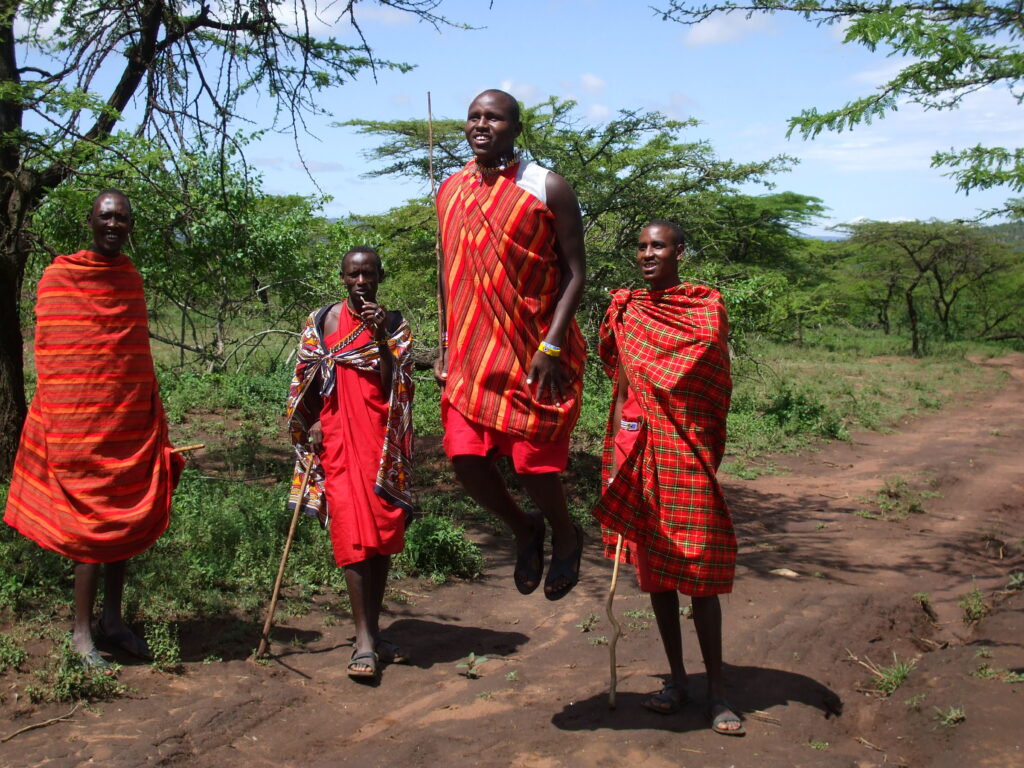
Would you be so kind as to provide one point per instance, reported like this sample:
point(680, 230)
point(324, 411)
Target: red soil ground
point(793, 643)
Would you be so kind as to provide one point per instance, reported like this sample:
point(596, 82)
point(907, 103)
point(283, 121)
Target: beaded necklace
point(504, 165)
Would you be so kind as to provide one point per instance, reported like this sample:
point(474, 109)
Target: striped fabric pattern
point(94, 475)
point(665, 497)
point(502, 280)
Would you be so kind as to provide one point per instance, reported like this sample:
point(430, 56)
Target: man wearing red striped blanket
point(94, 473)
point(666, 349)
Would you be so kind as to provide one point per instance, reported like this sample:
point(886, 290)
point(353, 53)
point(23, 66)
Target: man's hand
point(441, 367)
point(316, 437)
point(546, 374)
point(374, 315)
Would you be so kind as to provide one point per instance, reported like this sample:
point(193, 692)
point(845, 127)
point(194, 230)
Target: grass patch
point(65, 678)
point(886, 679)
point(12, 655)
point(973, 606)
point(897, 500)
point(165, 645)
point(438, 548)
point(951, 716)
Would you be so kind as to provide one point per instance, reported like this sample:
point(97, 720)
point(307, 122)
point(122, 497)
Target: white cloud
point(593, 84)
point(385, 15)
point(880, 74)
point(598, 112)
point(839, 29)
point(267, 162)
point(728, 28)
point(315, 166)
point(525, 92)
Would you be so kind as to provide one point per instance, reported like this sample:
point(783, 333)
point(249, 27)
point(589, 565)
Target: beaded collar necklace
point(504, 165)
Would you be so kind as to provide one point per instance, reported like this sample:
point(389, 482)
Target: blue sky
point(742, 79)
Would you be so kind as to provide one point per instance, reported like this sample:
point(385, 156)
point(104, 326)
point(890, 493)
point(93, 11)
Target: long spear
point(442, 327)
point(265, 637)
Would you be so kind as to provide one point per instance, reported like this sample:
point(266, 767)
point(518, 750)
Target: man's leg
point(379, 566)
point(707, 618)
point(484, 483)
point(86, 578)
point(547, 492)
point(666, 613)
point(361, 597)
point(482, 480)
point(112, 624)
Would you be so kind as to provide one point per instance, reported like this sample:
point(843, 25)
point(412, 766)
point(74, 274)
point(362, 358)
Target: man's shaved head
point(513, 105)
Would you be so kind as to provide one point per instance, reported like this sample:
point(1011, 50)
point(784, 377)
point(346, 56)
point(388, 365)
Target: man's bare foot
point(723, 719)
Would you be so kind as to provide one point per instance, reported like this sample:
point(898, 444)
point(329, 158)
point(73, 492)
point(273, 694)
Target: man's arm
point(620, 401)
point(545, 370)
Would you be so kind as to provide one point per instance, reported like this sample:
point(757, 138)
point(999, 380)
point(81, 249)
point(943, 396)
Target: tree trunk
point(12, 361)
point(915, 332)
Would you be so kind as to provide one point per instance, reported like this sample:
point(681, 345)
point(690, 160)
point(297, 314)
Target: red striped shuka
point(94, 472)
point(665, 499)
point(502, 281)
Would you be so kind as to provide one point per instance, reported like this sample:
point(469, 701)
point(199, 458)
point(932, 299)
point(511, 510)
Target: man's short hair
point(365, 249)
point(111, 191)
point(512, 101)
point(678, 236)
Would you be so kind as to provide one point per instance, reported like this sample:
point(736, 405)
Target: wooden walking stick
point(614, 621)
point(188, 448)
point(265, 637)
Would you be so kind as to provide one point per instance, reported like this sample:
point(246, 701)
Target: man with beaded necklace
point(511, 358)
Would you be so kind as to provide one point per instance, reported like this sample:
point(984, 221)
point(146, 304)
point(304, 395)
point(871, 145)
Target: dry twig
point(43, 724)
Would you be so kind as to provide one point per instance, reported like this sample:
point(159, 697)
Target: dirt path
point(541, 698)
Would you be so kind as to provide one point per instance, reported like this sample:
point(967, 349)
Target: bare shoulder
point(561, 198)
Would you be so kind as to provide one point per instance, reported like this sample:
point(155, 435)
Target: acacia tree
point(73, 72)
point(953, 48)
point(937, 266)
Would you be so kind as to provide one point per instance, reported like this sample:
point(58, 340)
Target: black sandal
point(567, 570)
point(363, 666)
point(525, 570)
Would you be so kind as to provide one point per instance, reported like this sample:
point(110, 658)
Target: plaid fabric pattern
point(502, 281)
point(94, 474)
point(665, 497)
point(394, 474)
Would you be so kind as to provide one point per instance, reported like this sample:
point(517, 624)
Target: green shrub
point(801, 413)
point(165, 645)
point(223, 548)
point(11, 653)
point(66, 678)
point(438, 548)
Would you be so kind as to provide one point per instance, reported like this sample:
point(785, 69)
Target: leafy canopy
point(952, 49)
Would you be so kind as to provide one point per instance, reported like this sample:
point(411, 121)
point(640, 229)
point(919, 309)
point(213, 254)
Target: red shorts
point(463, 437)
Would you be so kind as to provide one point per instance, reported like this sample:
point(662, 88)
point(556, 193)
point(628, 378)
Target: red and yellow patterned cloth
point(94, 473)
point(502, 281)
point(390, 444)
point(665, 499)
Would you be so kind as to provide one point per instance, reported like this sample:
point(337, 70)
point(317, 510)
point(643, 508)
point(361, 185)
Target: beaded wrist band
point(550, 349)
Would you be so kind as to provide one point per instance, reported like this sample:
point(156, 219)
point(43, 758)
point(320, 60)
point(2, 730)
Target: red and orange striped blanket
point(502, 282)
point(665, 497)
point(94, 473)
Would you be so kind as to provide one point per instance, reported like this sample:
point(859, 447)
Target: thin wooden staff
point(442, 326)
point(187, 448)
point(614, 621)
point(265, 637)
